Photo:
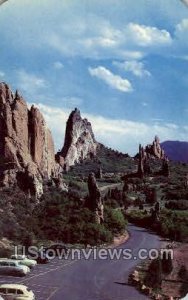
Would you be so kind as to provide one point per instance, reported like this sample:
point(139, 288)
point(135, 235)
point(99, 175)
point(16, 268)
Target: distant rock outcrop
point(27, 155)
point(152, 151)
point(155, 149)
point(95, 199)
point(79, 141)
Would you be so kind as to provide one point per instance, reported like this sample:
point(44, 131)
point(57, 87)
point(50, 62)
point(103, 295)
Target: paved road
point(110, 186)
point(89, 279)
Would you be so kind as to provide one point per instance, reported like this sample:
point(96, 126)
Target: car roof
point(13, 286)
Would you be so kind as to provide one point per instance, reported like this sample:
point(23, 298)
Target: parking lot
point(36, 279)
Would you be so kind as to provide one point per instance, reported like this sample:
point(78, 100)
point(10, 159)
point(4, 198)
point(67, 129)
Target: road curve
point(103, 279)
point(89, 279)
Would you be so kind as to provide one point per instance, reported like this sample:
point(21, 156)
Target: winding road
point(90, 279)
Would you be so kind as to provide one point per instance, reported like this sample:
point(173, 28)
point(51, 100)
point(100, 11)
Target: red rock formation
point(41, 143)
point(95, 203)
point(26, 145)
point(79, 141)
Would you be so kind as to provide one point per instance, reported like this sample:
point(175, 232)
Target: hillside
point(108, 160)
point(176, 150)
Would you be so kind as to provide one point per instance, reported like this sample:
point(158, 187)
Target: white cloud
point(123, 135)
point(180, 42)
point(58, 65)
point(181, 31)
point(98, 38)
point(144, 36)
point(113, 80)
point(133, 66)
point(30, 82)
point(94, 29)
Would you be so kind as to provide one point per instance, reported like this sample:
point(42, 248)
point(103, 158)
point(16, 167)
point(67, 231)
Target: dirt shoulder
point(120, 239)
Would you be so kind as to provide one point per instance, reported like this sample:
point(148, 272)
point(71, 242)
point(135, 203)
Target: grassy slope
point(109, 160)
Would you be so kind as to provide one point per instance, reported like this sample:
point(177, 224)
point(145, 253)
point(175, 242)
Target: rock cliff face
point(79, 141)
point(27, 155)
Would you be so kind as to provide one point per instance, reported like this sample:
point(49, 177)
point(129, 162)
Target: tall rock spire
point(26, 145)
point(79, 141)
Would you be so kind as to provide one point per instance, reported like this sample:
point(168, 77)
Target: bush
point(153, 277)
point(114, 221)
point(179, 204)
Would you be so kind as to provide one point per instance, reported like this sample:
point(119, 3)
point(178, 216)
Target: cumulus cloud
point(181, 31)
point(100, 39)
point(123, 135)
point(144, 36)
point(133, 66)
point(94, 31)
point(113, 80)
point(30, 82)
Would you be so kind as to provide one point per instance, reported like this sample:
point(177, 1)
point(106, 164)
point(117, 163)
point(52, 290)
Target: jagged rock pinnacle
point(26, 145)
point(79, 141)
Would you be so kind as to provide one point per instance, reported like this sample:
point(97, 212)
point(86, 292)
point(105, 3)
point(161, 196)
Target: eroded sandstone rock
point(27, 154)
point(155, 149)
point(95, 200)
point(79, 141)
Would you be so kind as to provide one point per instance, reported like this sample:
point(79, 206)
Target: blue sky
point(124, 63)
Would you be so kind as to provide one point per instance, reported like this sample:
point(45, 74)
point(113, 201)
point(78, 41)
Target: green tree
point(114, 220)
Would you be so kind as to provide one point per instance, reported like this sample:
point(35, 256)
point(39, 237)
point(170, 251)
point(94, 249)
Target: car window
point(3, 291)
point(3, 264)
point(11, 264)
point(20, 292)
point(11, 291)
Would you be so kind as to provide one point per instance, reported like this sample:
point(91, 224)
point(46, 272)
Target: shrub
point(114, 220)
